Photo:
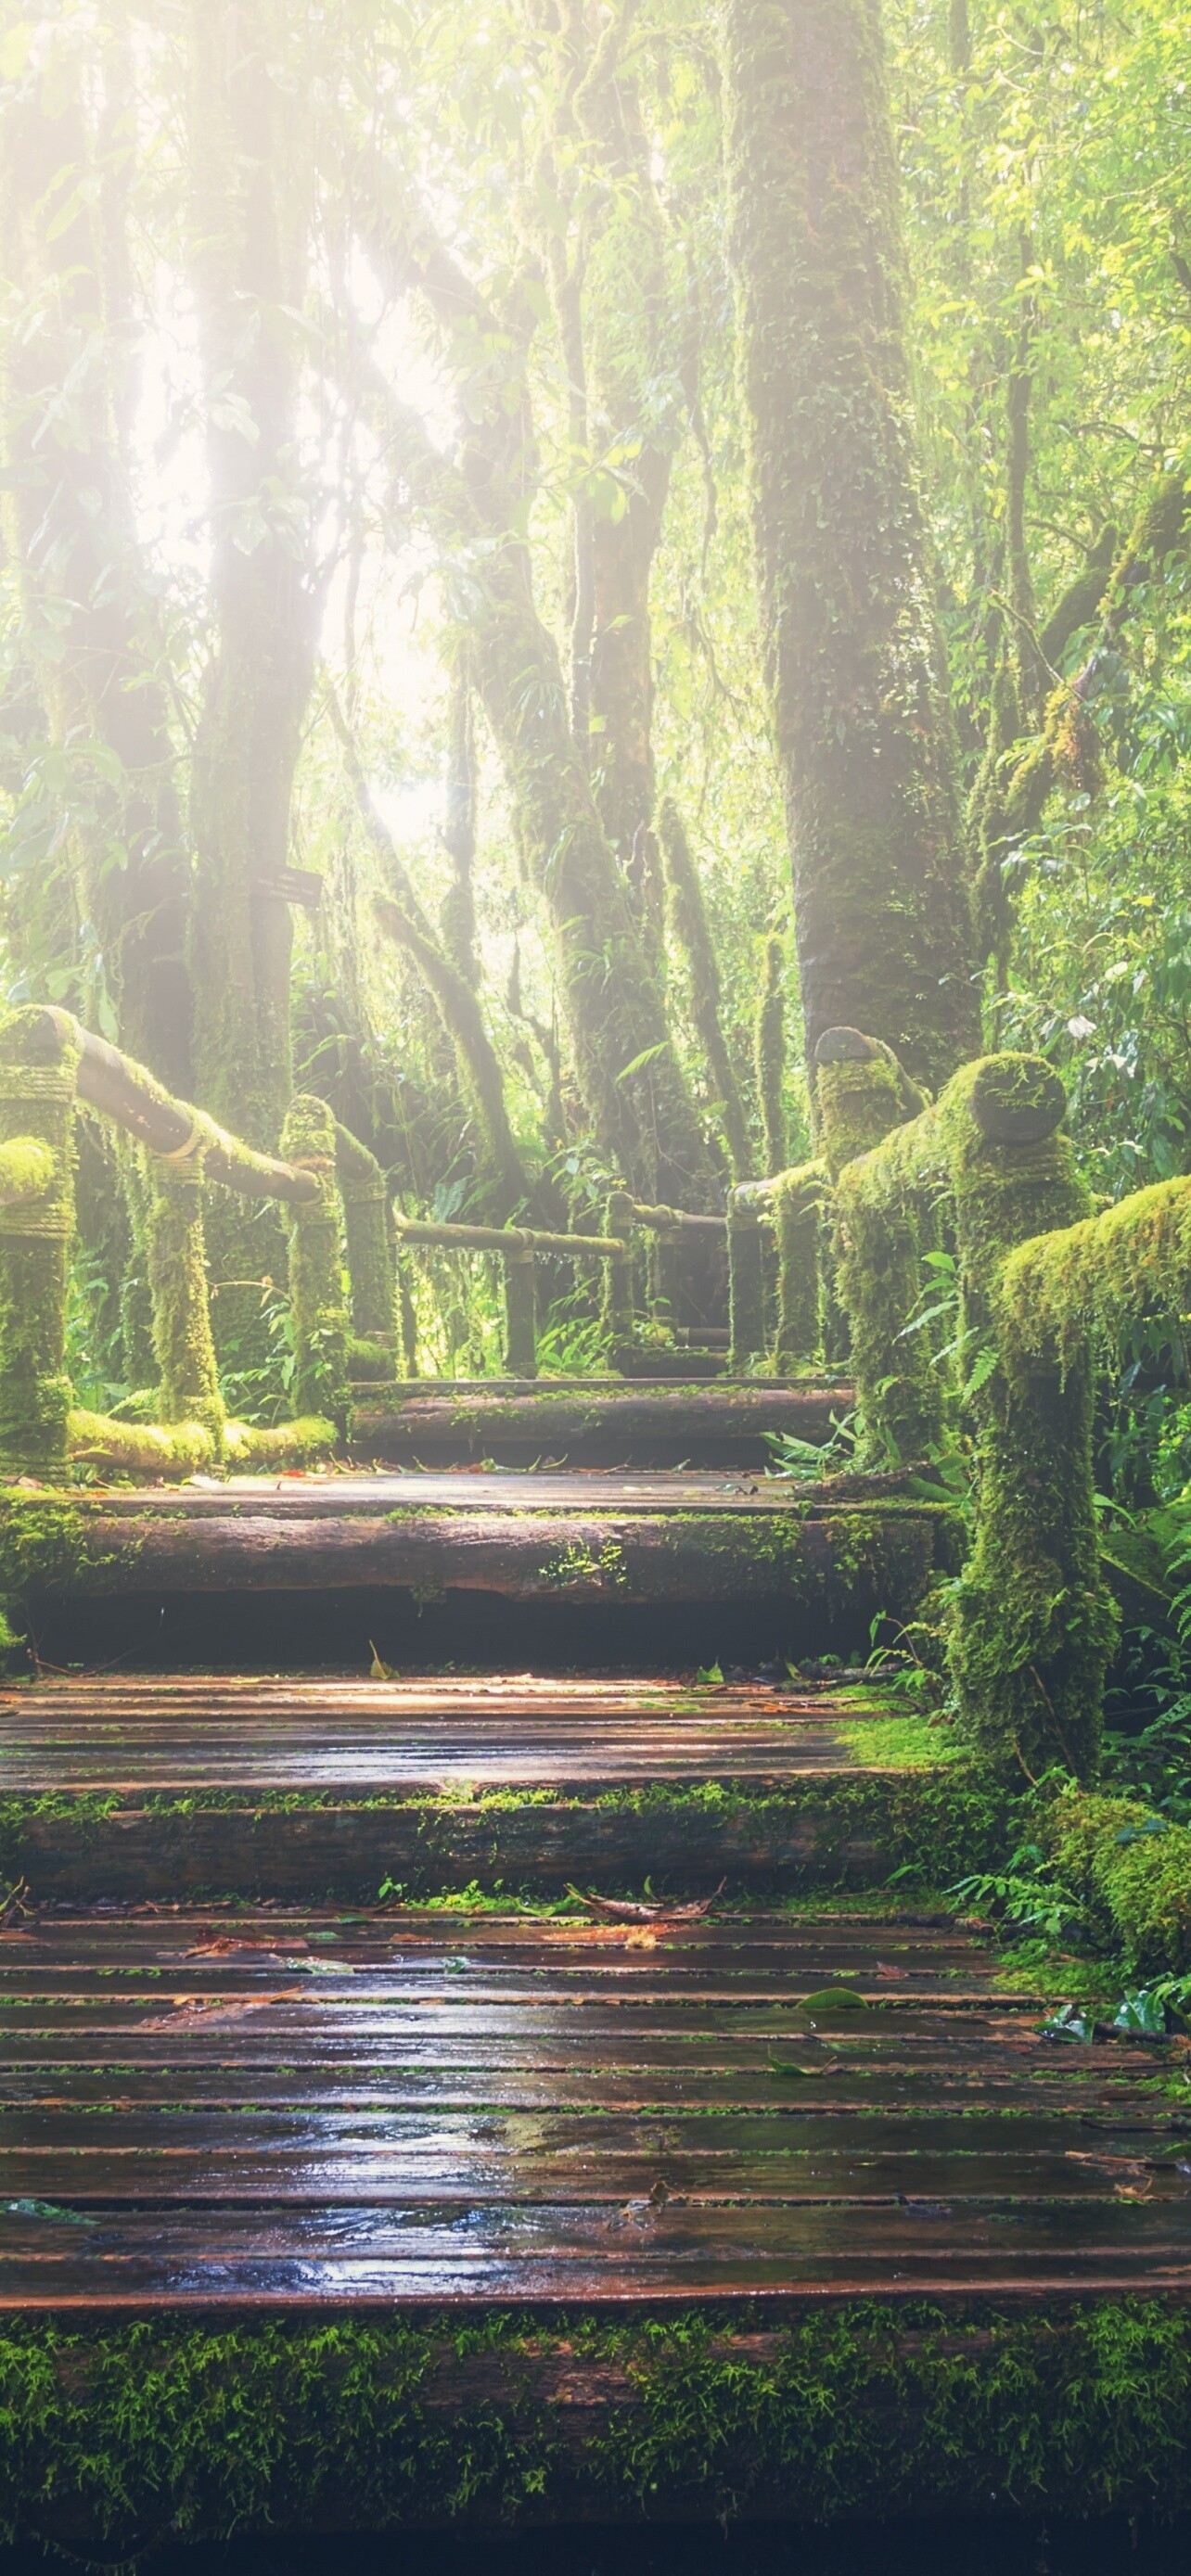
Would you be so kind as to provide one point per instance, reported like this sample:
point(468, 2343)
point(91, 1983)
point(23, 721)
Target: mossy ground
point(119, 2436)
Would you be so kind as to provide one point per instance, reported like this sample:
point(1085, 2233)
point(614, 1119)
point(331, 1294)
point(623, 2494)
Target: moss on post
point(618, 1311)
point(799, 1199)
point(320, 1320)
point(521, 1322)
point(1033, 1624)
point(177, 1259)
point(883, 1225)
point(769, 1050)
point(38, 1065)
point(369, 1248)
point(747, 1209)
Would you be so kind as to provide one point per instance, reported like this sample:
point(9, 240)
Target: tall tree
point(247, 248)
point(856, 675)
point(107, 759)
point(476, 502)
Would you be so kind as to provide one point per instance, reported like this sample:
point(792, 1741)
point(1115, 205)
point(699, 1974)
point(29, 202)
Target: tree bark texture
point(855, 666)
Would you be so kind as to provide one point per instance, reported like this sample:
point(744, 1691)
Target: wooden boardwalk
point(268, 2109)
point(142, 1734)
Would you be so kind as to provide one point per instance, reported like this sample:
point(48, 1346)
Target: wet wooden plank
point(1104, 2138)
point(609, 2161)
point(561, 2252)
point(112, 1734)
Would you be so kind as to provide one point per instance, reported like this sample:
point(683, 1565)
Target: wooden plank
point(451, 2170)
point(717, 1424)
point(565, 2253)
point(62, 1744)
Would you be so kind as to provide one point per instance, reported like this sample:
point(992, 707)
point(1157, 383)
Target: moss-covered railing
point(517, 1248)
point(1031, 1624)
point(334, 1195)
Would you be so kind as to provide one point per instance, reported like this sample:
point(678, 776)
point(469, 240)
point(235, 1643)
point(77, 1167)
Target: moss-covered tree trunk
point(628, 1074)
point(88, 628)
point(855, 668)
point(246, 262)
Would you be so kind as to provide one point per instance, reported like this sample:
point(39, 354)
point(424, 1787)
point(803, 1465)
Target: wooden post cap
point(1017, 1099)
point(847, 1046)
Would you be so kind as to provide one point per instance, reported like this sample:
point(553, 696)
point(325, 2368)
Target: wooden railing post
point(320, 1320)
point(747, 1211)
point(800, 1200)
point(178, 1285)
point(521, 1322)
point(619, 1310)
point(370, 1265)
point(1033, 1623)
point(38, 1066)
point(863, 1101)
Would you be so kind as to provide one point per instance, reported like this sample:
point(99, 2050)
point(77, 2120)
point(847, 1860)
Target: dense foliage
point(379, 568)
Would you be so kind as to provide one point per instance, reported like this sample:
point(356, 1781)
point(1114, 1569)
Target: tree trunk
point(691, 931)
point(855, 667)
point(88, 623)
point(246, 272)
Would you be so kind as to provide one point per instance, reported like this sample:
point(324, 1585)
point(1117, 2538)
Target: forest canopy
point(551, 552)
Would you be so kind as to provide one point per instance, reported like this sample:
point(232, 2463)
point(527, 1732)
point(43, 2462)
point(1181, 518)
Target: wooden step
point(459, 2110)
point(590, 1423)
point(142, 1734)
point(832, 1559)
point(305, 1786)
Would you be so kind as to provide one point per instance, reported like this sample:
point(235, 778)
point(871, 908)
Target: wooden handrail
point(123, 1091)
point(515, 1241)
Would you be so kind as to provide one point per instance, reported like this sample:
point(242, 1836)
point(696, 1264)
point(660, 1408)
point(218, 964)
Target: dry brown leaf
point(612, 1910)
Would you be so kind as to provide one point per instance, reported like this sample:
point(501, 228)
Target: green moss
point(1096, 1276)
point(43, 1546)
point(177, 1262)
point(369, 1239)
point(38, 1064)
point(798, 1202)
point(1034, 1622)
point(26, 1169)
point(319, 1312)
point(283, 1444)
point(1031, 1621)
point(118, 2434)
point(1132, 1866)
point(139, 1448)
point(769, 1050)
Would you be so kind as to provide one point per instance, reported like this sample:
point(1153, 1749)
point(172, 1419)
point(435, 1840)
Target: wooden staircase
point(291, 2025)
